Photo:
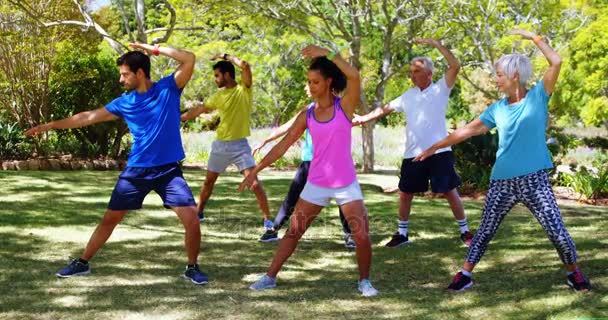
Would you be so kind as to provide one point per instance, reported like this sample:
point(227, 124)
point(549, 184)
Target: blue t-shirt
point(307, 150)
point(307, 147)
point(153, 118)
point(521, 134)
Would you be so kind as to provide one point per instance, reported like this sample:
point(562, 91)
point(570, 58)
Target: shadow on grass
point(519, 277)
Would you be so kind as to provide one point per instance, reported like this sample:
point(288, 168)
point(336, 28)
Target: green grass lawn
point(46, 217)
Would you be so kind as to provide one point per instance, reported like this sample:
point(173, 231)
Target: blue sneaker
point(268, 224)
point(75, 268)
point(196, 275)
point(265, 282)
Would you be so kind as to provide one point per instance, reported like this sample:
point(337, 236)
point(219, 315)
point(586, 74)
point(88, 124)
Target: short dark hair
point(135, 60)
point(328, 69)
point(225, 66)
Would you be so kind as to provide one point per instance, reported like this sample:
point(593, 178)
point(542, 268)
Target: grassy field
point(46, 217)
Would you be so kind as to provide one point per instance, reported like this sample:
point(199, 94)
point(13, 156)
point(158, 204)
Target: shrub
point(475, 158)
point(13, 144)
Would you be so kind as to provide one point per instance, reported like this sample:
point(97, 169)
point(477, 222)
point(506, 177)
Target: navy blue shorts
point(135, 183)
point(438, 169)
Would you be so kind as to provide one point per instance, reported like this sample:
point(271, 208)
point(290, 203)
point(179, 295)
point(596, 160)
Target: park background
point(57, 58)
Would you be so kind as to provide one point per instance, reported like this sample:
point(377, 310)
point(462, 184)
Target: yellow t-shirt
point(234, 105)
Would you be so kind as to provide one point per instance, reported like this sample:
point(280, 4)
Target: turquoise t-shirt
point(521, 134)
point(307, 147)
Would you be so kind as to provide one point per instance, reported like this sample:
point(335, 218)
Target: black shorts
point(438, 169)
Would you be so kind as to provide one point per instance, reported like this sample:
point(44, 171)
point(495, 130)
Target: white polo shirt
point(425, 116)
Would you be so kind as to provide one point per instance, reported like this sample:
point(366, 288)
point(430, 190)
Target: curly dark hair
point(328, 69)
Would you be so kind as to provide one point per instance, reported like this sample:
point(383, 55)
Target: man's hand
point(38, 129)
point(146, 47)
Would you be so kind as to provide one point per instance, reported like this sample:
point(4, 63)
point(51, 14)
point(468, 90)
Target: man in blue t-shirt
point(152, 112)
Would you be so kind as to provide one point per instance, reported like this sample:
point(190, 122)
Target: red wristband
point(155, 50)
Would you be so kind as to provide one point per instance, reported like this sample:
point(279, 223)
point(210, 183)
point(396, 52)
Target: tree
point(371, 30)
point(583, 91)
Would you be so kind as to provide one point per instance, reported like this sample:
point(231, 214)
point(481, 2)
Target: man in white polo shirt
point(424, 107)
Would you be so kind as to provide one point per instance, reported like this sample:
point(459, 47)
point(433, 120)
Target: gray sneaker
point(366, 288)
point(349, 242)
point(265, 282)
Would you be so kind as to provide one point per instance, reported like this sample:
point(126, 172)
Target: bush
point(475, 158)
point(13, 143)
point(591, 183)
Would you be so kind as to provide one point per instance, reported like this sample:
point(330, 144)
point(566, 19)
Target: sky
point(96, 4)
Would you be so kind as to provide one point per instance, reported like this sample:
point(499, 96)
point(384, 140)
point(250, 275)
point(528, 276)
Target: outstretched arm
point(195, 112)
point(184, 57)
point(473, 128)
point(246, 75)
point(372, 115)
point(453, 64)
point(555, 61)
point(278, 132)
point(352, 93)
point(294, 133)
point(78, 120)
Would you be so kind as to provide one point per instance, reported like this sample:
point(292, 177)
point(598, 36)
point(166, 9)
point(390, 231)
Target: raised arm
point(453, 64)
point(473, 128)
point(372, 115)
point(352, 93)
point(78, 120)
point(246, 75)
point(183, 73)
point(555, 61)
point(294, 133)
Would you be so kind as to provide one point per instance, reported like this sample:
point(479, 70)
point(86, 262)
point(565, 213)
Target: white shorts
point(321, 196)
point(225, 153)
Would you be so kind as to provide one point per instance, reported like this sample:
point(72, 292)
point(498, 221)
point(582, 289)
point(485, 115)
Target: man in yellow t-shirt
point(234, 102)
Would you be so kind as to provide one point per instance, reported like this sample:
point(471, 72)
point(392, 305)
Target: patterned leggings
point(534, 191)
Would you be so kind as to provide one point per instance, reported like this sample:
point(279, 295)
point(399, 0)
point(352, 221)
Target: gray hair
point(515, 62)
point(426, 61)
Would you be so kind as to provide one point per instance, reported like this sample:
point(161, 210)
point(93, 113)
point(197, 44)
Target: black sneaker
point(467, 238)
point(397, 241)
point(201, 215)
point(578, 281)
point(195, 275)
point(269, 236)
point(75, 268)
point(460, 282)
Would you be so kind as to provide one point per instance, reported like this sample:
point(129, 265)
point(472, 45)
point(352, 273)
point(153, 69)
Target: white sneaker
point(366, 288)
point(264, 283)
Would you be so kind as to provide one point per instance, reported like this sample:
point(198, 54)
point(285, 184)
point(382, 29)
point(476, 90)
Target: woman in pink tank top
point(332, 173)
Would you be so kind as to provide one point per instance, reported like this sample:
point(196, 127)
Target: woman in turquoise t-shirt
point(519, 174)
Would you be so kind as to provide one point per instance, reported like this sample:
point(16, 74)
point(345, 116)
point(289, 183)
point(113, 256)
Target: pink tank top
point(332, 162)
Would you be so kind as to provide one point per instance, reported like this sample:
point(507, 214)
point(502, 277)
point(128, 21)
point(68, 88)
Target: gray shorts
point(225, 153)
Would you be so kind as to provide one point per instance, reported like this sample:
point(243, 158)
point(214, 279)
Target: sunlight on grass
point(69, 301)
point(82, 235)
point(48, 216)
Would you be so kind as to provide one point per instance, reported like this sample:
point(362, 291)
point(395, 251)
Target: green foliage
point(85, 79)
point(587, 183)
point(583, 90)
point(13, 144)
point(475, 158)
